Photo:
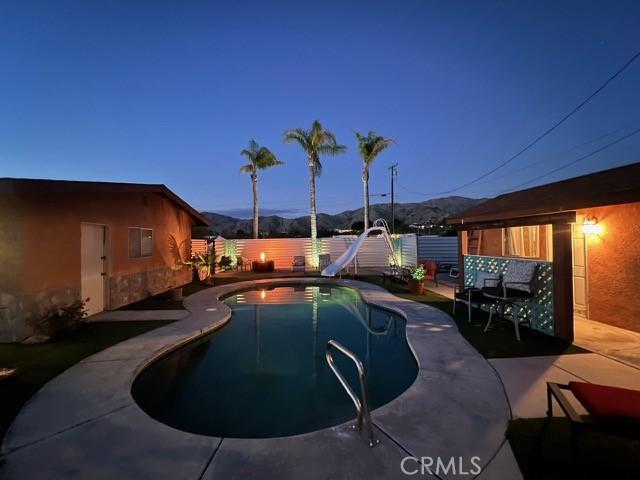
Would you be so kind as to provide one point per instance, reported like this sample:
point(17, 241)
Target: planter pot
point(415, 287)
point(176, 294)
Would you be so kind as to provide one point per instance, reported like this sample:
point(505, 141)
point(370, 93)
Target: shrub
point(418, 273)
point(60, 320)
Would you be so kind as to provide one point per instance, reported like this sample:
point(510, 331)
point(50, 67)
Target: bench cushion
point(521, 272)
point(610, 404)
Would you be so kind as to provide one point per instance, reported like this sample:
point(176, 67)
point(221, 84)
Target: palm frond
point(265, 158)
point(328, 149)
point(371, 146)
point(299, 136)
point(248, 168)
point(259, 158)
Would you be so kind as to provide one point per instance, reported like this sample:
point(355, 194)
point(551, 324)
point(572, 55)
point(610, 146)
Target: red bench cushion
point(608, 403)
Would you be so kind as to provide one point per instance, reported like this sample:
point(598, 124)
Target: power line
point(545, 160)
point(549, 130)
point(573, 162)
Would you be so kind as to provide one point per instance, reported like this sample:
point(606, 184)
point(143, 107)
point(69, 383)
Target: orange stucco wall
point(40, 249)
point(613, 266)
point(52, 235)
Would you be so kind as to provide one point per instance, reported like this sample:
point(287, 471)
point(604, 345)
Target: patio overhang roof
point(563, 217)
point(554, 202)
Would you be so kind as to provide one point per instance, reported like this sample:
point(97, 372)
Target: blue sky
point(170, 92)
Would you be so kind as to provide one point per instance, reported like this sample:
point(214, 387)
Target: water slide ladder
point(362, 404)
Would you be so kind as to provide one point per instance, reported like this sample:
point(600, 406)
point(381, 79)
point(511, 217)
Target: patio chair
point(401, 274)
point(298, 264)
point(225, 263)
point(610, 410)
point(430, 270)
point(324, 260)
point(242, 264)
point(515, 287)
point(473, 296)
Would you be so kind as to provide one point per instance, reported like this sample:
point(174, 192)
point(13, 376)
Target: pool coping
point(455, 387)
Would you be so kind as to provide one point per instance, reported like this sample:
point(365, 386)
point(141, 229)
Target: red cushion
point(608, 403)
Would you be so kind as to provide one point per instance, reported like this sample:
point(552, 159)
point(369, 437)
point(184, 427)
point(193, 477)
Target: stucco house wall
point(613, 266)
point(40, 250)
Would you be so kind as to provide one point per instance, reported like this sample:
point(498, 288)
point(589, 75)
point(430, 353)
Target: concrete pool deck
point(85, 424)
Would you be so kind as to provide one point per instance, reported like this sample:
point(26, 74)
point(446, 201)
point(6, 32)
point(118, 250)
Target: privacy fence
point(373, 253)
point(441, 249)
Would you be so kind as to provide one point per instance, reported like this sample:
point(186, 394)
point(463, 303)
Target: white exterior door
point(92, 263)
point(580, 303)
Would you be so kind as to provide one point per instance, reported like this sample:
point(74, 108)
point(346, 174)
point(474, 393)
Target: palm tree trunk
point(313, 213)
point(254, 181)
point(365, 181)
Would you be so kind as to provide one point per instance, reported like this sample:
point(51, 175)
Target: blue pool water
point(264, 374)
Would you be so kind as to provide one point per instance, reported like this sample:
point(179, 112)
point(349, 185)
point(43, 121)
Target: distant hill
point(429, 211)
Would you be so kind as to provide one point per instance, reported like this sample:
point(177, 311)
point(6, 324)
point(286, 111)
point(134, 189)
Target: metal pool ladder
point(362, 405)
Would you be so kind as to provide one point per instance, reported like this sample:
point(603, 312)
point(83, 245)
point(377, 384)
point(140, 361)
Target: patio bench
point(400, 274)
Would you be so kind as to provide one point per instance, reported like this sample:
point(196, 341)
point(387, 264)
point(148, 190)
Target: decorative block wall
point(539, 310)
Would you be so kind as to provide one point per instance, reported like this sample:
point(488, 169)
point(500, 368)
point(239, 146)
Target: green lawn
point(546, 454)
point(500, 341)
point(37, 364)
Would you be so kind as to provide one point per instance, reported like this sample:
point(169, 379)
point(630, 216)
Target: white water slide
point(379, 226)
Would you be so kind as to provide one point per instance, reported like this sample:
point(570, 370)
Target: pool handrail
point(362, 406)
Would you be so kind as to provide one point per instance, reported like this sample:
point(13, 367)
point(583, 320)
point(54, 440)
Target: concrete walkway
point(613, 342)
point(138, 315)
point(85, 424)
point(525, 378)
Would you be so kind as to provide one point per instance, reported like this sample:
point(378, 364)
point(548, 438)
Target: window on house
point(140, 242)
point(521, 241)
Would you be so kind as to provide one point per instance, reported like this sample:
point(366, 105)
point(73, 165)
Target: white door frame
point(578, 235)
point(106, 263)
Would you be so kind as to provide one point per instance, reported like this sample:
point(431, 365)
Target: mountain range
point(429, 211)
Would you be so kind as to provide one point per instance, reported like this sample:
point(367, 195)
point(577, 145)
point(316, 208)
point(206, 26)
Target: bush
point(60, 321)
point(418, 273)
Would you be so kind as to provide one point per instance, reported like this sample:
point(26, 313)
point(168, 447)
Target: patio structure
point(61, 241)
point(583, 233)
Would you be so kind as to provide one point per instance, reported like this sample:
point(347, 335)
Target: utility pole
point(394, 171)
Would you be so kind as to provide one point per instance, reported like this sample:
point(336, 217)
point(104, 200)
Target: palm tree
point(314, 142)
point(370, 147)
point(260, 158)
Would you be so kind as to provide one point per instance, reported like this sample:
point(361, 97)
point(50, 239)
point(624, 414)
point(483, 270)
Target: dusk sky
point(170, 92)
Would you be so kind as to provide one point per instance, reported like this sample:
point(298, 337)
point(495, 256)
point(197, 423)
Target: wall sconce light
point(263, 294)
point(263, 257)
point(590, 226)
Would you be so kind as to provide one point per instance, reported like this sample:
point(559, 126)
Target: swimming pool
point(264, 373)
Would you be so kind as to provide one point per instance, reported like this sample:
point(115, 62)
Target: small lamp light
point(590, 226)
point(263, 257)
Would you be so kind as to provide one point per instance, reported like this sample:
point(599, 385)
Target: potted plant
point(416, 280)
point(202, 265)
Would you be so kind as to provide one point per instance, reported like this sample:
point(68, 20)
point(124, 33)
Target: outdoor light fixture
point(590, 226)
point(263, 294)
point(263, 257)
